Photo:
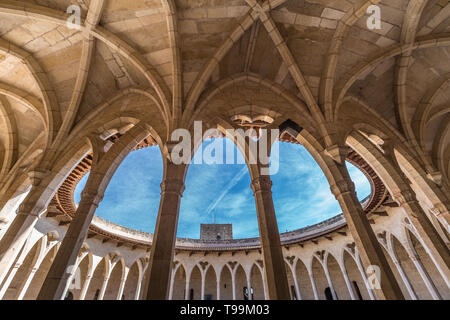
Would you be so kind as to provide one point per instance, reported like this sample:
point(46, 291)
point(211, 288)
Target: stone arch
point(97, 280)
point(179, 283)
point(304, 281)
point(195, 284)
point(114, 281)
point(21, 273)
point(291, 281)
point(226, 284)
point(424, 258)
point(40, 274)
point(410, 270)
point(83, 269)
point(337, 278)
point(320, 278)
point(210, 284)
point(257, 282)
point(131, 283)
point(354, 274)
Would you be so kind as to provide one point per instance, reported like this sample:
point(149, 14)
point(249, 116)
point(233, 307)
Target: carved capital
point(36, 176)
point(436, 177)
point(342, 187)
point(262, 184)
point(405, 197)
point(174, 186)
point(338, 153)
point(93, 198)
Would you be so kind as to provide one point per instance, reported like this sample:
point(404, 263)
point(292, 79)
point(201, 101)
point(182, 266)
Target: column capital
point(337, 152)
point(174, 186)
point(37, 175)
point(405, 197)
point(27, 209)
point(342, 187)
point(92, 197)
point(262, 183)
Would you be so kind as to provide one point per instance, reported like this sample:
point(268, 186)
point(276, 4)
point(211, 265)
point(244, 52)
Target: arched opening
point(226, 285)
point(22, 273)
point(309, 190)
point(241, 284)
point(39, 277)
point(429, 266)
point(210, 284)
point(304, 282)
point(291, 283)
point(337, 279)
point(410, 270)
point(96, 284)
point(355, 277)
point(195, 284)
point(80, 277)
point(114, 281)
point(397, 275)
point(130, 289)
point(218, 192)
point(133, 194)
point(179, 284)
point(256, 279)
point(320, 278)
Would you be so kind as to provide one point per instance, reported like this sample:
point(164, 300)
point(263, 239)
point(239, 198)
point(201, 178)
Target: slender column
point(218, 286)
point(275, 271)
point(330, 283)
point(138, 290)
point(23, 224)
point(297, 288)
point(348, 283)
point(404, 277)
point(203, 285)
point(122, 285)
point(188, 286)
point(424, 275)
point(363, 275)
point(313, 285)
point(160, 267)
point(365, 239)
point(265, 288)
point(103, 288)
point(233, 283)
point(24, 287)
point(172, 283)
point(10, 278)
point(65, 260)
point(85, 287)
point(432, 241)
point(249, 288)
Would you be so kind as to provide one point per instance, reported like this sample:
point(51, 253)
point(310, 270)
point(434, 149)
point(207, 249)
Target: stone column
point(368, 246)
point(172, 283)
point(23, 224)
point(275, 271)
point(233, 283)
point(103, 288)
point(330, 283)
point(297, 288)
point(424, 275)
point(10, 278)
point(348, 283)
point(65, 260)
point(363, 275)
point(122, 284)
point(432, 241)
point(404, 277)
point(202, 292)
point(86, 284)
point(218, 286)
point(188, 286)
point(313, 284)
point(160, 267)
point(249, 288)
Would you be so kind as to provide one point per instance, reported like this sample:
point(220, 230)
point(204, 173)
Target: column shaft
point(275, 271)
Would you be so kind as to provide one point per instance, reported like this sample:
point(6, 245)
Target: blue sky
point(301, 193)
